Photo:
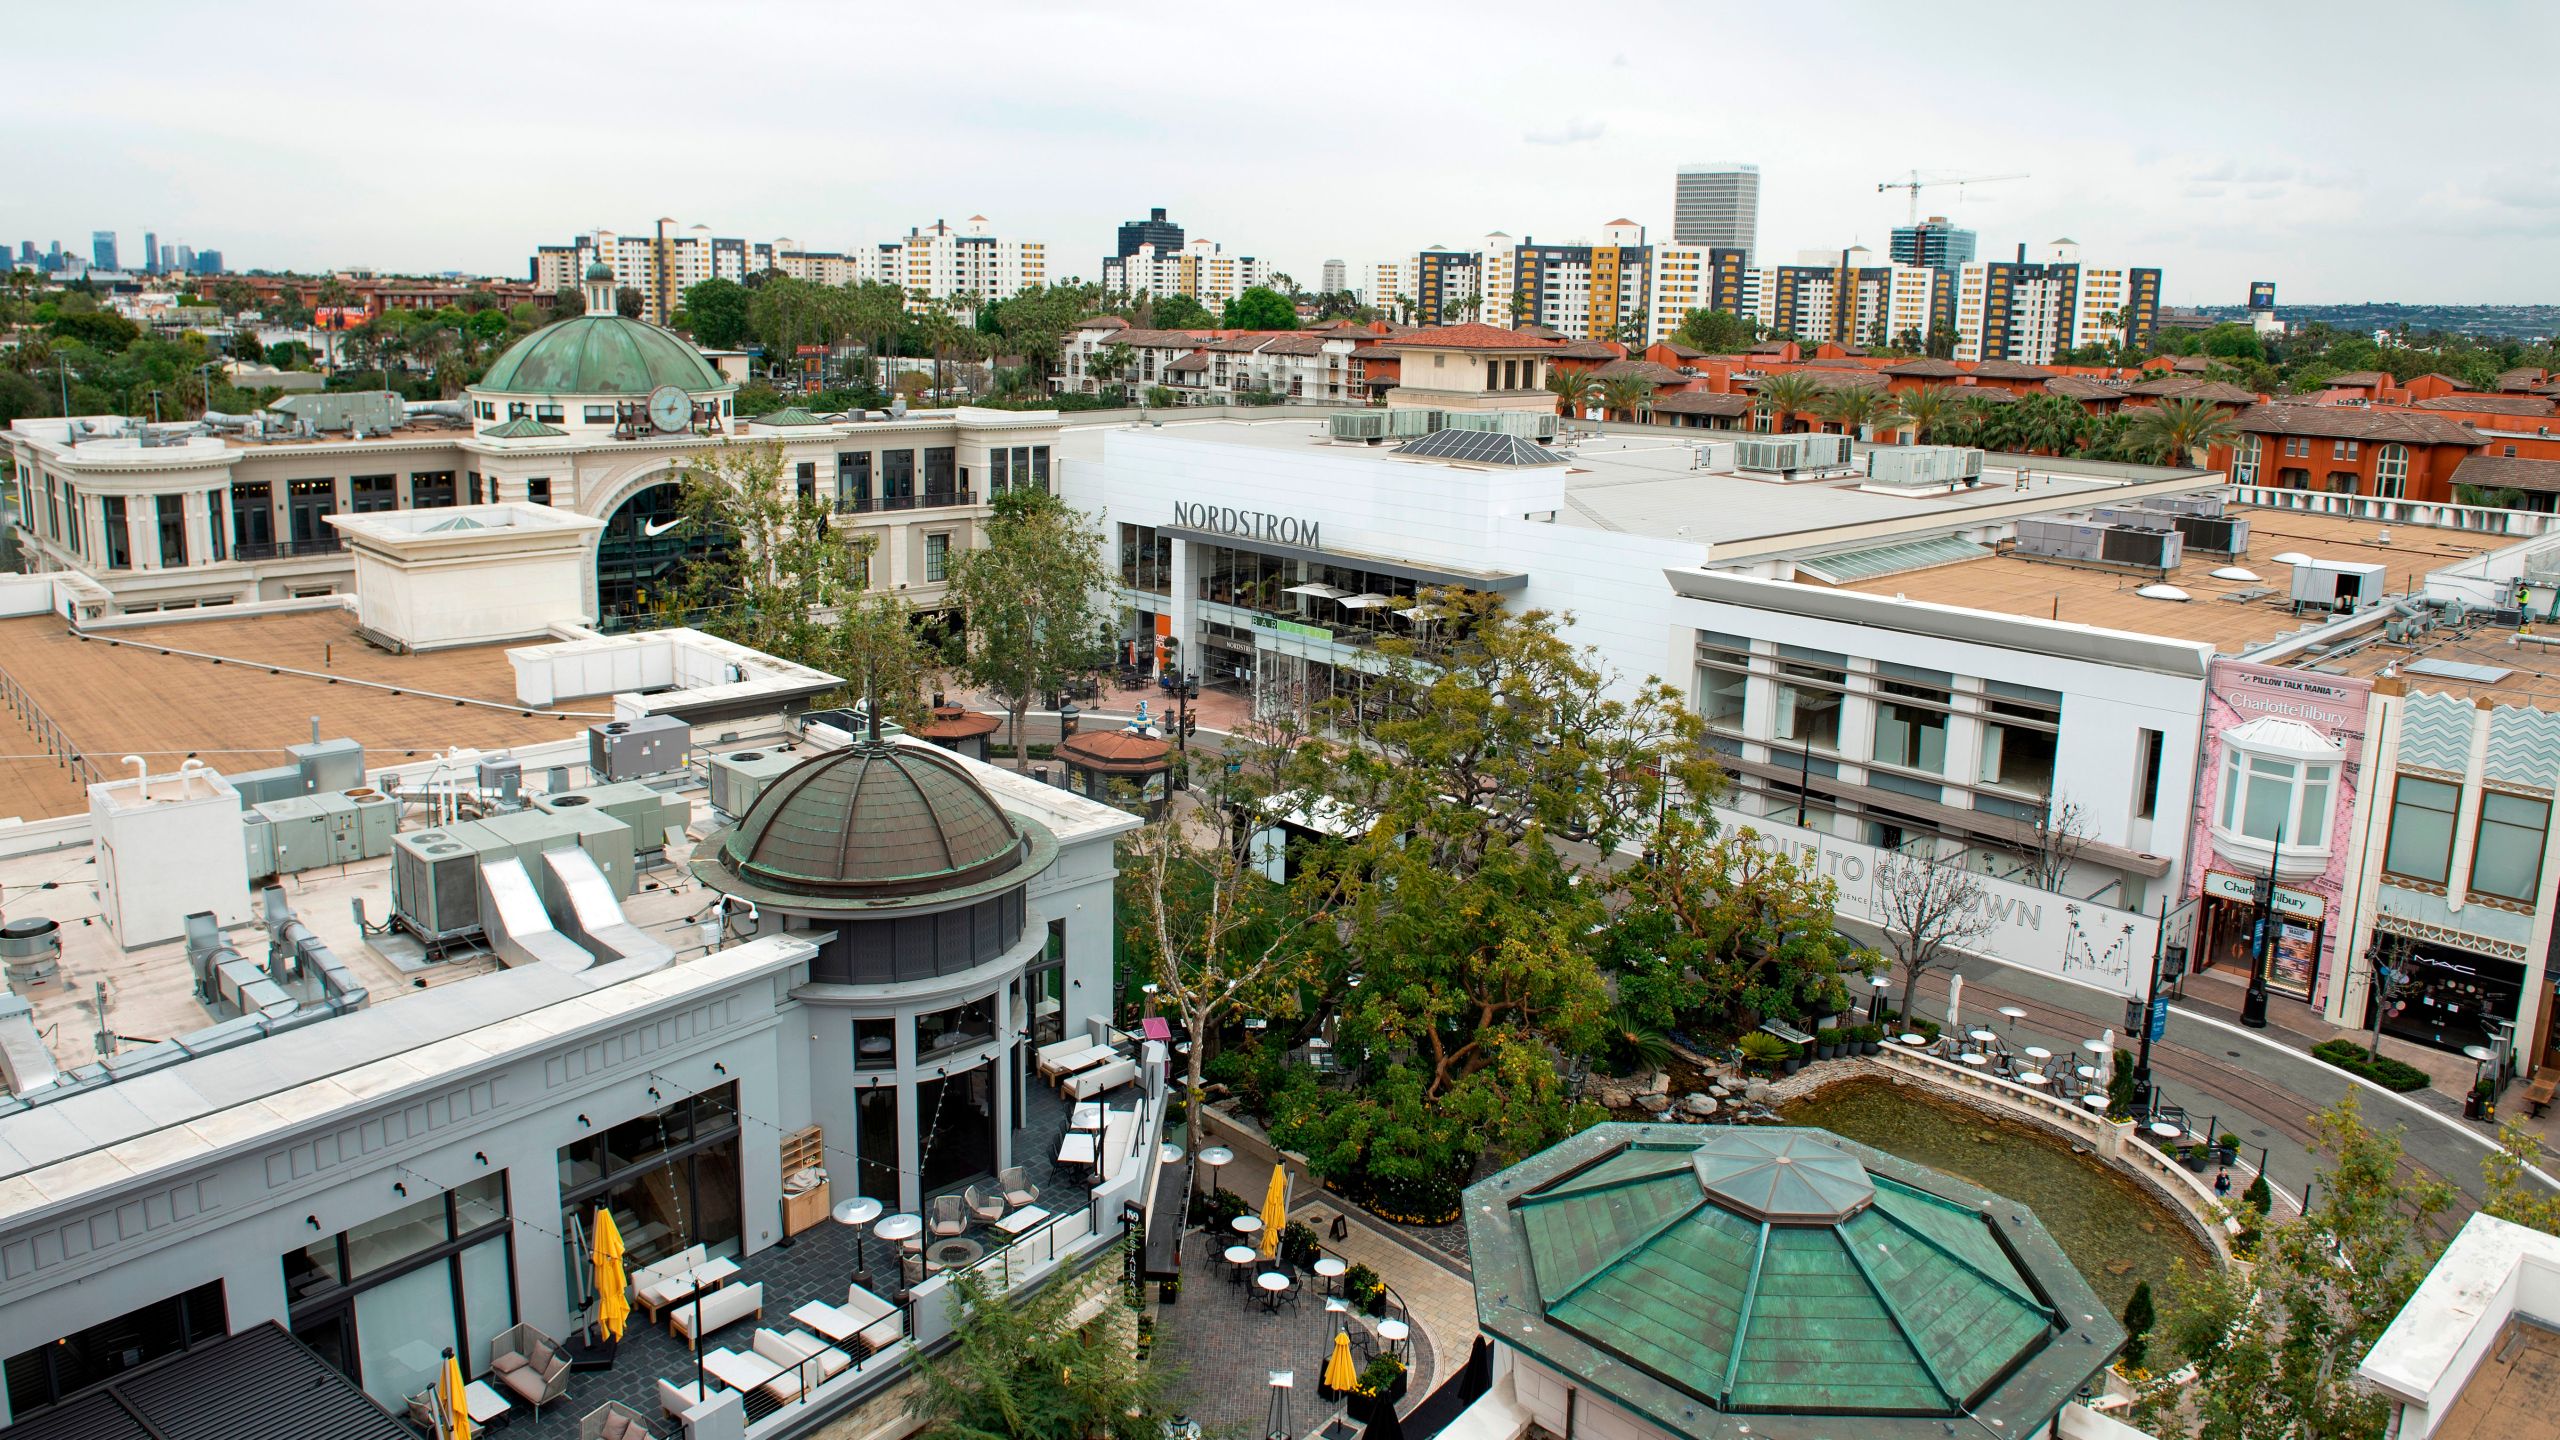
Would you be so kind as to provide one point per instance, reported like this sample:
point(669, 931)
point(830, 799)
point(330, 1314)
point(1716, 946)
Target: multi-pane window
point(1809, 698)
point(1724, 679)
point(937, 557)
point(2271, 798)
point(940, 463)
point(173, 529)
point(805, 478)
point(2342, 449)
point(2422, 820)
point(2244, 460)
point(2390, 471)
point(897, 478)
point(1911, 724)
point(853, 479)
point(2506, 853)
point(369, 493)
point(999, 475)
point(2019, 732)
point(431, 490)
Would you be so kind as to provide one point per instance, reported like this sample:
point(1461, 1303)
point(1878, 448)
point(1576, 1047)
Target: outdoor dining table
point(739, 1371)
point(1086, 1116)
point(1394, 1333)
point(2094, 1100)
point(1331, 1268)
point(1971, 1057)
point(2038, 1053)
point(483, 1402)
point(1076, 1148)
point(2031, 1077)
point(1273, 1285)
point(2163, 1130)
point(1022, 1219)
point(1987, 1037)
point(1914, 1041)
point(2013, 1013)
point(1246, 1224)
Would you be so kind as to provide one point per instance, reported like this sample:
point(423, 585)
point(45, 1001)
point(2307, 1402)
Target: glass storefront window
point(875, 1119)
point(875, 1044)
point(670, 1179)
point(959, 1128)
point(1724, 679)
point(383, 1299)
point(411, 1230)
point(51, 1372)
point(1809, 705)
point(943, 1031)
point(1911, 726)
point(1048, 1005)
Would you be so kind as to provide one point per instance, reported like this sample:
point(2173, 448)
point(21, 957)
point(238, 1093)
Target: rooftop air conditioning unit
point(2215, 534)
point(435, 877)
point(740, 777)
point(633, 749)
point(2148, 549)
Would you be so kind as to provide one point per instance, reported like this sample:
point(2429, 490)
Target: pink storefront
point(2277, 786)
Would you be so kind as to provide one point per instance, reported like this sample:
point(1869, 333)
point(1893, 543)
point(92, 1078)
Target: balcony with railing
point(922, 500)
point(248, 550)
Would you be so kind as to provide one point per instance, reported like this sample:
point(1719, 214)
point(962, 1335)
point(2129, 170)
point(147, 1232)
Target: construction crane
point(1916, 182)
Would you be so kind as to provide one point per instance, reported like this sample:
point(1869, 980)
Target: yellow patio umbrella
point(1340, 1375)
point(613, 1298)
point(449, 1397)
point(1275, 1210)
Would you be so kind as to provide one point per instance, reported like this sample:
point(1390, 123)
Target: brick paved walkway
point(1224, 1344)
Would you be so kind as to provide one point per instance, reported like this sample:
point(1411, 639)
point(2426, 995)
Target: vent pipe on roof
point(25, 1064)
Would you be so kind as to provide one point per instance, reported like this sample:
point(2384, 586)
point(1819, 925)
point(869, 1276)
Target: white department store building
point(1271, 556)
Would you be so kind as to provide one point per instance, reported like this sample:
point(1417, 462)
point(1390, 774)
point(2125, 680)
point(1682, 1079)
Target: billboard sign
point(2041, 930)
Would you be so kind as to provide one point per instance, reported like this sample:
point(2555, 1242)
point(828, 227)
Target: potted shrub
point(1298, 1244)
point(2226, 1148)
point(1763, 1051)
point(1794, 1060)
point(1870, 1039)
point(1382, 1380)
point(2195, 1154)
point(1826, 1044)
point(1361, 1286)
point(1169, 1290)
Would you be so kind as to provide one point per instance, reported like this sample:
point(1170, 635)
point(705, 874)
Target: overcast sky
point(2347, 152)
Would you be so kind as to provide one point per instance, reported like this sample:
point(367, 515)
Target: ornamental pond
point(2114, 1229)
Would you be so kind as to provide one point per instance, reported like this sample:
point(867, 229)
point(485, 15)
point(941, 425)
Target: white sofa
point(804, 1358)
point(718, 1310)
point(654, 1286)
point(1047, 1056)
point(1103, 1078)
point(678, 1400)
point(883, 1322)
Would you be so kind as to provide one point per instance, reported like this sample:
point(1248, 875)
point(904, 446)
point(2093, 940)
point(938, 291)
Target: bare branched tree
point(2053, 846)
point(1929, 907)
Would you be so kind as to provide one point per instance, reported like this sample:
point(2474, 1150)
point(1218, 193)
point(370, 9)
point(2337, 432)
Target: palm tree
point(1928, 410)
point(2181, 430)
point(1860, 413)
point(1627, 395)
point(1792, 393)
point(2049, 423)
point(1574, 390)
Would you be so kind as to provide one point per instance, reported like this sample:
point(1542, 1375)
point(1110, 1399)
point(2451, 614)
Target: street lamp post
point(1804, 774)
point(2253, 1006)
point(2151, 1003)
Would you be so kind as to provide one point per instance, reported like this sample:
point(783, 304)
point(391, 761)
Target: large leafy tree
point(1721, 928)
point(2274, 1346)
point(1260, 308)
point(769, 565)
point(1060, 1363)
point(1033, 596)
point(1181, 312)
point(1716, 332)
point(717, 311)
point(1467, 955)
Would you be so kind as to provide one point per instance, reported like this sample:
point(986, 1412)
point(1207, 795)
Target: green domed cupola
point(605, 354)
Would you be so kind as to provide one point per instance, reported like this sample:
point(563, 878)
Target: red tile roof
point(2010, 370)
point(2503, 472)
point(1701, 402)
point(2188, 387)
point(2528, 405)
point(1469, 337)
point(1923, 368)
point(2355, 422)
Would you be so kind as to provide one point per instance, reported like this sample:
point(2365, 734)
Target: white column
point(142, 530)
point(1964, 743)
point(199, 528)
point(1186, 605)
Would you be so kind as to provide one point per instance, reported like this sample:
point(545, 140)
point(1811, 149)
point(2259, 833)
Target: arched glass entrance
point(643, 554)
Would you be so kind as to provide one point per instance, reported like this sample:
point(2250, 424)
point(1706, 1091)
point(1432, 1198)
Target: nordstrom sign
point(1249, 524)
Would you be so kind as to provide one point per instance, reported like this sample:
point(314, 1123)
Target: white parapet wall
point(469, 574)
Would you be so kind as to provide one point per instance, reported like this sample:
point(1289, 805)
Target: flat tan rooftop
point(2097, 595)
point(117, 694)
point(2531, 669)
point(2515, 1391)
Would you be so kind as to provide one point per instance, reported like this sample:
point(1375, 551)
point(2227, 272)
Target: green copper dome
point(868, 824)
point(600, 355)
point(1709, 1277)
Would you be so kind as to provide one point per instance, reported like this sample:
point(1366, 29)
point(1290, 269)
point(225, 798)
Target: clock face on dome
point(670, 408)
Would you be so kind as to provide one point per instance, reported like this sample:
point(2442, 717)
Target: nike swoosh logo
point(654, 531)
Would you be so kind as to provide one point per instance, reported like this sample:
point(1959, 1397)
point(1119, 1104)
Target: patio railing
point(1035, 1257)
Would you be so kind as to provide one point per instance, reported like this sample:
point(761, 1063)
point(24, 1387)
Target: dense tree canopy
point(1260, 308)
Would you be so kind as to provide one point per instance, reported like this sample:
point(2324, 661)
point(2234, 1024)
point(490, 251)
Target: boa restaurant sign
point(2053, 934)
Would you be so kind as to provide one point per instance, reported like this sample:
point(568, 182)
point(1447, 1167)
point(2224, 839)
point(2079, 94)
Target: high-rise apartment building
point(208, 262)
point(659, 263)
point(1718, 205)
point(1335, 278)
point(1601, 291)
point(1199, 269)
point(151, 253)
point(2036, 310)
point(1935, 242)
point(168, 258)
point(102, 249)
point(938, 261)
point(186, 260)
point(1154, 230)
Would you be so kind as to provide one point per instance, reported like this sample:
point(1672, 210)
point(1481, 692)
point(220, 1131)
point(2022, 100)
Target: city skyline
point(2204, 177)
